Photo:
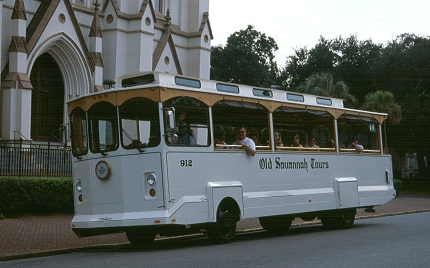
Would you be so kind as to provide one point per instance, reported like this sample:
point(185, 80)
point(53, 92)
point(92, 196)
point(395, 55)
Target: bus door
point(106, 182)
point(143, 182)
point(134, 182)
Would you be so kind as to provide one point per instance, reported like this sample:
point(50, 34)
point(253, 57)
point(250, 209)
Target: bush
point(36, 195)
point(398, 186)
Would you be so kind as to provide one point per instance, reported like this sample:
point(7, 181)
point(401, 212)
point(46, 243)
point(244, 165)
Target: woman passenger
point(296, 141)
point(278, 140)
point(312, 142)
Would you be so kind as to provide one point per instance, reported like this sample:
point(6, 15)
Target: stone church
point(53, 51)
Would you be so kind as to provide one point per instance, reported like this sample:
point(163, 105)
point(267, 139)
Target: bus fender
point(216, 192)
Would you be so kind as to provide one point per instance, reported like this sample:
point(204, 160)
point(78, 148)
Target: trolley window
point(295, 97)
point(324, 101)
point(192, 119)
point(138, 80)
point(304, 128)
point(78, 124)
point(262, 93)
point(187, 82)
point(227, 88)
point(364, 129)
point(103, 127)
point(229, 115)
point(139, 123)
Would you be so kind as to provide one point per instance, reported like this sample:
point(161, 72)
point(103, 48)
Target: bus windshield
point(102, 121)
point(139, 123)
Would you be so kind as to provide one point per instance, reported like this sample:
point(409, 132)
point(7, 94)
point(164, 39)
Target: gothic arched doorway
point(47, 101)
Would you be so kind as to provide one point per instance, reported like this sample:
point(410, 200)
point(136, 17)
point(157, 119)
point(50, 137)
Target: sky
point(299, 23)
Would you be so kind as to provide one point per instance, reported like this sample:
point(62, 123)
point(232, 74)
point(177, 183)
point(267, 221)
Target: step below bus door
point(347, 192)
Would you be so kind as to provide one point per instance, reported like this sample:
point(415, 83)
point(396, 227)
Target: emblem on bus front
point(102, 170)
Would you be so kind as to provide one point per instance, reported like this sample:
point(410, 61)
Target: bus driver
point(184, 135)
point(246, 142)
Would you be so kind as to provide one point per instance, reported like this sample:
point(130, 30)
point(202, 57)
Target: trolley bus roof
point(163, 86)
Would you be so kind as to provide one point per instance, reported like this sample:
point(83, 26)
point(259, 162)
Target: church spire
point(18, 11)
point(96, 30)
point(168, 20)
point(17, 77)
point(95, 47)
point(16, 87)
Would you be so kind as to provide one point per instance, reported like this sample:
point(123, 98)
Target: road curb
point(102, 246)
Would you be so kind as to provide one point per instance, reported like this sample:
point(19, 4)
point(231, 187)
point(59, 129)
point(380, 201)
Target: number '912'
point(186, 163)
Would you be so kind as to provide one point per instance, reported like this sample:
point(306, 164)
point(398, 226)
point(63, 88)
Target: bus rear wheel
point(224, 229)
point(341, 219)
point(276, 224)
point(140, 236)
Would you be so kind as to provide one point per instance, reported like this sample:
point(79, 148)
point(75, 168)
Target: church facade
point(57, 50)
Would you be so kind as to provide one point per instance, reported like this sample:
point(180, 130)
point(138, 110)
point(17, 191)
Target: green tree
point(323, 84)
point(349, 60)
point(383, 102)
point(354, 66)
point(403, 69)
point(306, 62)
point(247, 58)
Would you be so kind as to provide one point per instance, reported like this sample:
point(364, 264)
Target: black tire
point(276, 224)
point(224, 229)
point(339, 219)
point(141, 236)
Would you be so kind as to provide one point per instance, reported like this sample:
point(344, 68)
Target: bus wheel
point(224, 229)
point(342, 219)
point(141, 236)
point(276, 224)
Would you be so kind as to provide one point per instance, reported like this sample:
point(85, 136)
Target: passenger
point(296, 141)
point(184, 136)
point(219, 139)
point(247, 143)
point(354, 145)
point(254, 137)
point(278, 139)
point(312, 142)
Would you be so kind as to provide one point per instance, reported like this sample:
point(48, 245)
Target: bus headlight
point(79, 186)
point(151, 179)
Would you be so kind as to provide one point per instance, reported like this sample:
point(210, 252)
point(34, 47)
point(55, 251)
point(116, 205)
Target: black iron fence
point(32, 159)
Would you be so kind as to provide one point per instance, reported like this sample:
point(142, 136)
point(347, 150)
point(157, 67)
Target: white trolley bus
point(132, 174)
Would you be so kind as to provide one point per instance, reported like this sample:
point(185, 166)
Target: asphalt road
point(393, 241)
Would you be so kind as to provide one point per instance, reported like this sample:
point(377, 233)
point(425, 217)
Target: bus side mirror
point(170, 119)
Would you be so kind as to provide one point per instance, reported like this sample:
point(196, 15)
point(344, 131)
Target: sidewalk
point(31, 236)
